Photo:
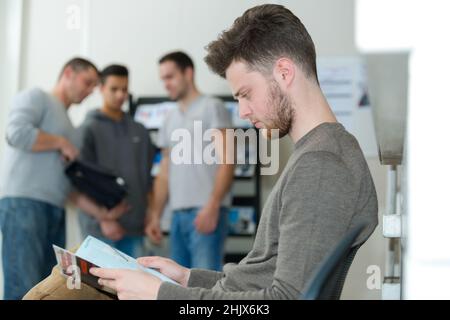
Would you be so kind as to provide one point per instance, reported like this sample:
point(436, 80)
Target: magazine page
point(105, 256)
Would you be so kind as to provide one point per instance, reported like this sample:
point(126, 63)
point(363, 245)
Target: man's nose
point(244, 110)
point(166, 84)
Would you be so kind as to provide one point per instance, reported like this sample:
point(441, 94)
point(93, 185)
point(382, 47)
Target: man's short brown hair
point(259, 37)
point(181, 59)
point(78, 64)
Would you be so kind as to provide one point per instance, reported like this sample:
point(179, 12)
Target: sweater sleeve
point(316, 204)
point(24, 119)
point(204, 278)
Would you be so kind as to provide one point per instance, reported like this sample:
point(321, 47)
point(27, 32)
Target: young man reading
point(326, 188)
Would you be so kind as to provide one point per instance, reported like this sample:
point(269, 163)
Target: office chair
point(328, 279)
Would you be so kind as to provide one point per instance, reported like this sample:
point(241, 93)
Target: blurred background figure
point(113, 140)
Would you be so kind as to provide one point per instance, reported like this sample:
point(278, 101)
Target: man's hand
point(119, 210)
point(129, 284)
point(100, 213)
point(207, 218)
point(167, 267)
point(153, 230)
point(68, 151)
point(114, 213)
point(112, 230)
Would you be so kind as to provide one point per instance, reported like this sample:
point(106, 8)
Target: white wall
point(10, 38)
point(2, 37)
point(138, 32)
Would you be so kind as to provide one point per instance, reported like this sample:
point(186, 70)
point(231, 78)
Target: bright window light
point(424, 28)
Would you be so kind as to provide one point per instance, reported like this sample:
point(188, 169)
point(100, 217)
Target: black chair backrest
point(328, 279)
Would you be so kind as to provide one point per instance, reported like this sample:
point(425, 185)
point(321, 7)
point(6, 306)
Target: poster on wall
point(151, 116)
point(344, 83)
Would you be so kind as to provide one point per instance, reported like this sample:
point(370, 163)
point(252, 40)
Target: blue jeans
point(197, 250)
point(130, 245)
point(29, 229)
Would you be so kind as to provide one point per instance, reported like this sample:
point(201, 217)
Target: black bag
point(100, 184)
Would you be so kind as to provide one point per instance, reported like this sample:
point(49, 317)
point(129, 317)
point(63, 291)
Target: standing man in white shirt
point(198, 193)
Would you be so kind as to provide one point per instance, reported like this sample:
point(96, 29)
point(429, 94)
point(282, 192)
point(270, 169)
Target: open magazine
point(96, 253)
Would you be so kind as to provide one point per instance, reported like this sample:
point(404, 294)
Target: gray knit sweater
point(325, 189)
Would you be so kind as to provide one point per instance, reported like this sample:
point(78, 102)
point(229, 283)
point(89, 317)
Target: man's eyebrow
point(237, 94)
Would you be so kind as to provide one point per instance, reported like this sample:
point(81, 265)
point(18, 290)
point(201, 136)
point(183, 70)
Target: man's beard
point(181, 94)
point(178, 96)
point(283, 112)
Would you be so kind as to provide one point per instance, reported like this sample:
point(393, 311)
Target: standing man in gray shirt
point(41, 139)
point(198, 192)
point(113, 140)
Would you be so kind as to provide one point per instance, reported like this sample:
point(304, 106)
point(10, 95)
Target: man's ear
point(284, 72)
point(189, 73)
point(68, 72)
